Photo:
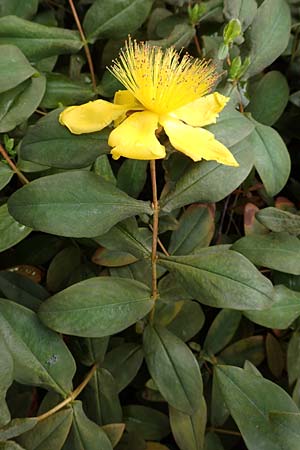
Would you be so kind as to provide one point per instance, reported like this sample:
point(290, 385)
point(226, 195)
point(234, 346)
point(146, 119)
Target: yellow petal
point(90, 117)
point(135, 137)
point(202, 111)
point(196, 143)
point(128, 99)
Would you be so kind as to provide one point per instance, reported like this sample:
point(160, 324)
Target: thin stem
point(22, 177)
point(222, 431)
point(71, 397)
point(197, 44)
point(155, 208)
point(85, 44)
point(163, 248)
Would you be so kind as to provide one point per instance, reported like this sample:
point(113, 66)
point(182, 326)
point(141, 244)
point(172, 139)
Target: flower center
point(159, 80)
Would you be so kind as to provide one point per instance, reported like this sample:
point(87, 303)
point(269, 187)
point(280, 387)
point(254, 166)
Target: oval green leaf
point(76, 204)
point(173, 368)
point(11, 232)
point(97, 307)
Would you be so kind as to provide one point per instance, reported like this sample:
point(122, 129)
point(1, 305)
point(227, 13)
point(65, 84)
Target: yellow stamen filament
point(159, 79)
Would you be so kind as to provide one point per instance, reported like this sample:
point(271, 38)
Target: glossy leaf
point(173, 368)
point(6, 376)
point(284, 310)
point(221, 278)
point(76, 203)
point(85, 433)
point(14, 67)
point(279, 220)
point(101, 401)
point(271, 158)
point(248, 395)
point(244, 10)
point(209, 181)
point(38, 41)
point(11, 232)
point(188, 430)
point(49, 143)
point(17, 427)
point(50, 432)
point(148, 422)
point(195, 230)
point(40, 356)
point(222, 330)
point(268, 35)
point(21, 106)
point(278, 251)
point(269, 98)
point(61, 90)
point(123, 362)
point(286, 427)
point(97, 307)
point(115, 19)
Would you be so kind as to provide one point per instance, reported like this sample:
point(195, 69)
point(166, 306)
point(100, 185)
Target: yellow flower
point(162, 90)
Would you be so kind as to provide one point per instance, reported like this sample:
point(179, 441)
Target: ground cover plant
point(149, 223)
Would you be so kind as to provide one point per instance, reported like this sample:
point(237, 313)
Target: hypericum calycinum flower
point(162, 91)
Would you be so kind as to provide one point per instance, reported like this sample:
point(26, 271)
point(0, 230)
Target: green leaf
point(22, 290)
point(173, 368)
point(279, 251)
point(271, 158)
point(90, 350)
point(269, 34)
point(10, 445)
point(6, 376)
point(6, 175)
point(132, 176)
point(61, 90)
point(37, 41)
point(147, 422)
point(286, 428)
point(249, 349)
point(84, 433)
point(114, 431)
point(221, 278)
point(269, 98)
point(127, 237)
point(282, 313)
point(244, 10)
point(40, 356)
point(17, 427)
point(49, 143)
point(212, 442)
point(188, 430)
point(14, 67)
point(11, 232)
point(112, 258)
point(179, 37)
point(279, 220)
point(77, 204)
point(275, 356)
point(115, 18)
point(293, 358)
point(50, 432)
point(21, 106)
point(231, 127)
point(61, 268)
point(195, 230)
point(248, 395)
point(222, 330)
point(101, 401)
point(123, 362)
point(22, 9)
point(97, 307)
point(209, 181)
point(218, 410)
point(188, 322)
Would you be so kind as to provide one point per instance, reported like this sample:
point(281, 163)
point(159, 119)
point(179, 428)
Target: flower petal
point(128, 99)
point(90, 117)
point(202, 111)
point(135, 137)
point(196, 143)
